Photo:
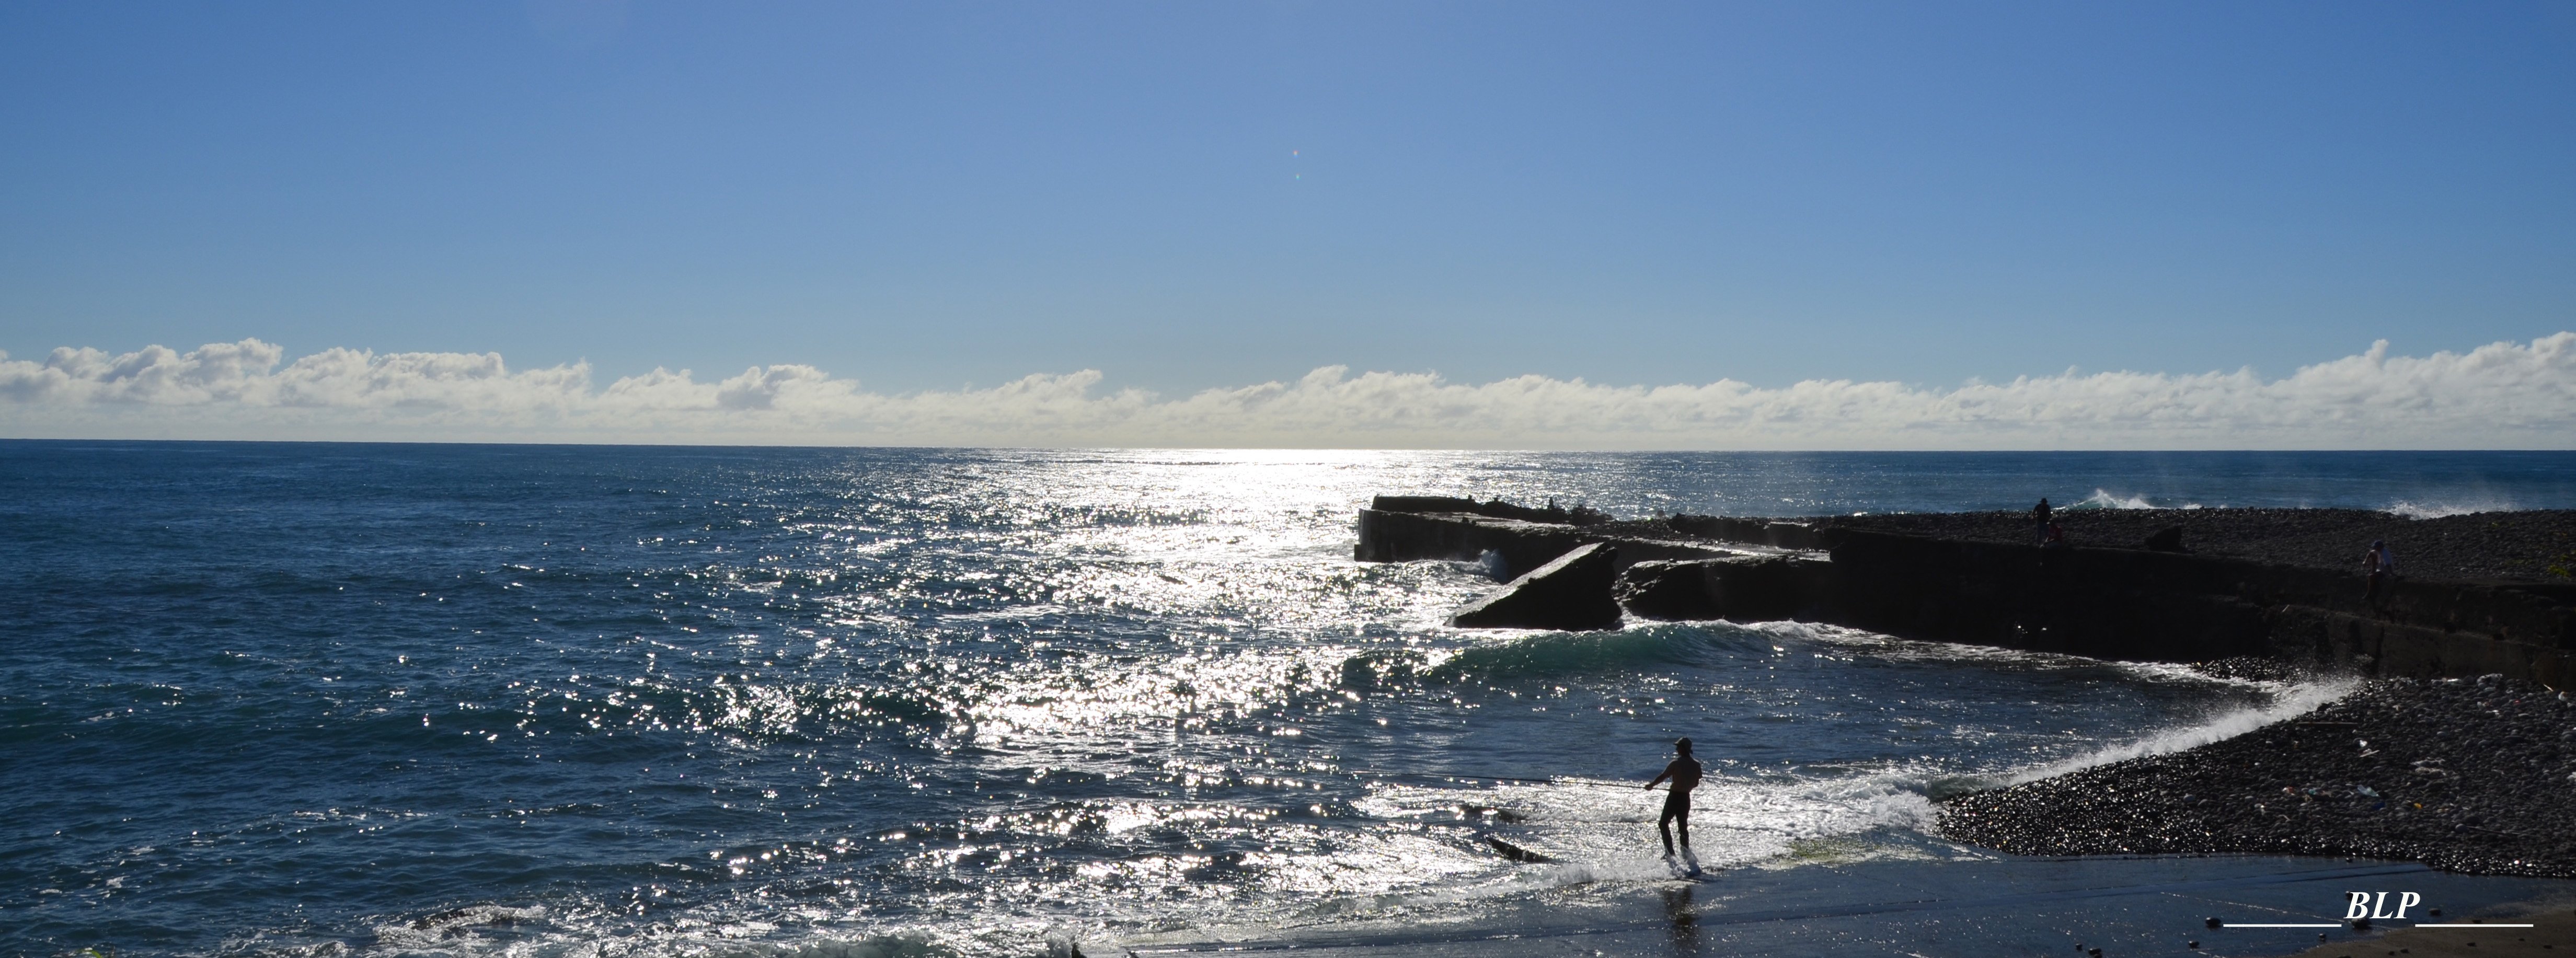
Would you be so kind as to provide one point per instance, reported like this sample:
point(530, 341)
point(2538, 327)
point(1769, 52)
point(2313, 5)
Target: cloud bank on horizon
point(2502, 395)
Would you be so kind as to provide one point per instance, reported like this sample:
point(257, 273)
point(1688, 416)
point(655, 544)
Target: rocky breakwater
point(1517, 538)
point(1564, 565)
point(2456, 748)
point(1571, 592)
point(2485, 594)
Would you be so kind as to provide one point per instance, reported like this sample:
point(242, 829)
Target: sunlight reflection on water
point(545, 701)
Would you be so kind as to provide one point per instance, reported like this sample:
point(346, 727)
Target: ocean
point(332, 699)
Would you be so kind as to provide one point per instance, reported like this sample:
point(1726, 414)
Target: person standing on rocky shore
point(2380, 566)
point(2039, 521)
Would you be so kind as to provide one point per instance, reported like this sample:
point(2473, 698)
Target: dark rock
point(1745, 589)
point(1388, 535)
point(1497, 509)
point(2254, 667)
point(1670, 591)
point(1515, 852)
point(2167, 539)
point(1398, 536)
point(2532, 546)
point(1572, 593)
point(1780, 533)
point(1423, 504)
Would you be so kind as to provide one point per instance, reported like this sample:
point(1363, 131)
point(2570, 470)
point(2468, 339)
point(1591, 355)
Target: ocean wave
point(504, 932)
point(1551, 654)
point(1567, 653)
point(428, 932)
point(1575, 831)
point(2297, 699)
point(2438, 510)
point(1887, 648)
point(2106, 499)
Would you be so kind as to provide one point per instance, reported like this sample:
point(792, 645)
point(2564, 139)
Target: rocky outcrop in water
point(1747, 588)
point(1571, 593)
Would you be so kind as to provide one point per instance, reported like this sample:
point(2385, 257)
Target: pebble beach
point(2468, 775)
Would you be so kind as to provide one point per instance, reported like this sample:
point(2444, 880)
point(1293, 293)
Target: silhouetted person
point(2380, 566)
point(1684, 772)
point(2039, 520)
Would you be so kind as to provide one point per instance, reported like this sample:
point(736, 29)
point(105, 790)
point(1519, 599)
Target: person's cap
point(1683, 744)
point(2377, 544)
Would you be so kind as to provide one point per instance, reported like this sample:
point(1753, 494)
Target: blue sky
point(1203, 195)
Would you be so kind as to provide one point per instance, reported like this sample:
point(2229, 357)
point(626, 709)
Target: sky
point(2124, 225)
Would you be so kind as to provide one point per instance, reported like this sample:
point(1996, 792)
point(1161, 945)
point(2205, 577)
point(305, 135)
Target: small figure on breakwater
point(2039, 520)
point(1685, 775)
point(2054, 537)
point(2380, 566)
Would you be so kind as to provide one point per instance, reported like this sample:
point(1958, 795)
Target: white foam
point(1892, 649)
point(1592, 832)
point(2298, 699)
point(2106, 499)
point(449, 935)
point(1600, 831)
point(2436, 510)
point(440, 931)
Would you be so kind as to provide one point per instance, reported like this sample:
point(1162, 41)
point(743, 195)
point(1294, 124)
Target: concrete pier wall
point(1388, 535)
point(2129, 604)
point(1573, 592)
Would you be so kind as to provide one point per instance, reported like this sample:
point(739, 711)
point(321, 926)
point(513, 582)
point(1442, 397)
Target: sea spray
point(2443, 509)
point(2296, 699)
point(2106, 499)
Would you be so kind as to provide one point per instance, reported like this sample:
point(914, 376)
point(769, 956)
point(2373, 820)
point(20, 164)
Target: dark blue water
point(284, 698)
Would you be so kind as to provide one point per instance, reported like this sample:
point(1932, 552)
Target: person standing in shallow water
point(1685, 774)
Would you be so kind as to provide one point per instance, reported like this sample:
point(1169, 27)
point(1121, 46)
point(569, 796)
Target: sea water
point(412, 699)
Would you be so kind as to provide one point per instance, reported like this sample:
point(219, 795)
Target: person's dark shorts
point(1676, 804)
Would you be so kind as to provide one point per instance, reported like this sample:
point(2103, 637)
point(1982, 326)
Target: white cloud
point(2503, 395)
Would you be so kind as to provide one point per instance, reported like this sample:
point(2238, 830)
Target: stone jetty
point(2484, 594)
point(2459, 750)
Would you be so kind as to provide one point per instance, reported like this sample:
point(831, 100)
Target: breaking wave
point(2438, 510)
point(2297, 699)
point(2106, 499)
